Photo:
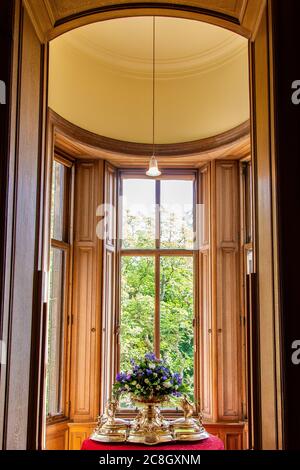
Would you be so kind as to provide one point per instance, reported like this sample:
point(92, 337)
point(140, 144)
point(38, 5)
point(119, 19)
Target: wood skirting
point(57, 436)
point(234, 435)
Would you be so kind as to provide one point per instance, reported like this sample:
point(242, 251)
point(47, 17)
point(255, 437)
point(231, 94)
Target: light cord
point(153, 85)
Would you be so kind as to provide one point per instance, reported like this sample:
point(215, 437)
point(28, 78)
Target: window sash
point(58, 344)
point(158, 253)
point(65, 246)
point(64, 203)
point(177, 175)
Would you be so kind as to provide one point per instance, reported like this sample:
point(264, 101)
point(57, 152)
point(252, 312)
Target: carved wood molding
point(75, 141)
point(55, 17)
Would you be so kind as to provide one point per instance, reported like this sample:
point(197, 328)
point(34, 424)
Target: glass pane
point(138, 230)
point(248, 204)
point(249, 261)
point(176, 227)
point(176, 316)
point(58, 201)
point(137, 309)
point(55, 332)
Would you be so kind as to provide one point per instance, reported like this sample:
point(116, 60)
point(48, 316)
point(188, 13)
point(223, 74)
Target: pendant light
point(153, 166)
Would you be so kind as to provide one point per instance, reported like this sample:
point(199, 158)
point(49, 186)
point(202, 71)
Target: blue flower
point(176, 378)
point(150, 357)
point(120, 377)
point(152, 376)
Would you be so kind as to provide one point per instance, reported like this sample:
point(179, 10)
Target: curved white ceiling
point(101, 79)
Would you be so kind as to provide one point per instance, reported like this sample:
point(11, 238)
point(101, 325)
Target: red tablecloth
point(212, 443)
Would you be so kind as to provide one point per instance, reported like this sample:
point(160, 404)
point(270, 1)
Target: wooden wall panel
point(86, 184)
point(232, 434)
point(24, 294)
point(58, 436)
point(78, 432)
point(267, 371)
point(7, 115)
point(227, 265)
point(86, 310)
point(234, 441)
point(83, 306)
point(206, 363)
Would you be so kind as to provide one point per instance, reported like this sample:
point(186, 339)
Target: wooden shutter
point(86, 311)
point(220, 347)
point(227, 291)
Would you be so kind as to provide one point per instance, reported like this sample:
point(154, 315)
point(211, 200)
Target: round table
point(211, 443)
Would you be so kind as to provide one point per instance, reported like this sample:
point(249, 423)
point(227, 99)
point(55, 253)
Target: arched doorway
point(38, 26)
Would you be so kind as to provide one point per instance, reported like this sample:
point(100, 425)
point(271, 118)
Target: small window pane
point(55, 332)
point(248, 204)
point(137, 309)
point(176, 214)
point(59, 202)
point(249, 262)
point(176, 316)
point(138, 228)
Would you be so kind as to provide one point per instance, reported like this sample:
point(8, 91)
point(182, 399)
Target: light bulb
point(153, 168)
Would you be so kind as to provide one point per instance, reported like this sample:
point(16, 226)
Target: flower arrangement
point(150, 380)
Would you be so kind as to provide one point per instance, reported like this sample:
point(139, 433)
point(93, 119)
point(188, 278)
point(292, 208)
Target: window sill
point(52, 420)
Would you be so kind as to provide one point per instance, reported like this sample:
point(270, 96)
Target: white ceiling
point(182, 46)
point(100, 79)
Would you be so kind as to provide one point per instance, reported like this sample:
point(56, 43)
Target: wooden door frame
point(6, 27)
point(35, 424)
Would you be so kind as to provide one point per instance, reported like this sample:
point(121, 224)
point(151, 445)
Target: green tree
point(176, 298)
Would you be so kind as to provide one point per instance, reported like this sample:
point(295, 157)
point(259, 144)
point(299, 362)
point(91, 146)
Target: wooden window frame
point(66, 246)
point(157, 253)
point(246, 246)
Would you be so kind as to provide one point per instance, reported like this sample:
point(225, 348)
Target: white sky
point(177, 194)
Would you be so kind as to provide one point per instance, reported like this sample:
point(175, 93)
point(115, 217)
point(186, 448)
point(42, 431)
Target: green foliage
point(137, 308)
point(176, 313)
point(176, 305)
point(139, 231)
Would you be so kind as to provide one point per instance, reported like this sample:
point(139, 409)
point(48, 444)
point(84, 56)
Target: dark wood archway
point(27, 204)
